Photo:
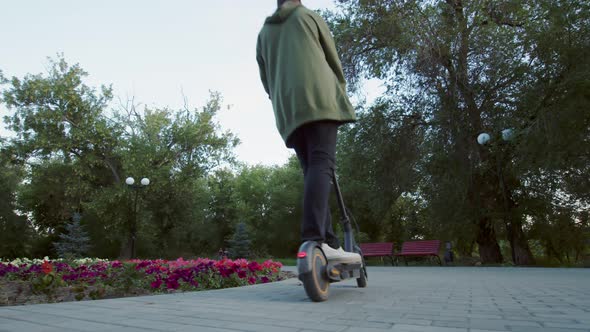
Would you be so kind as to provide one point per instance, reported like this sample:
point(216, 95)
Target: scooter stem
point(344, 219)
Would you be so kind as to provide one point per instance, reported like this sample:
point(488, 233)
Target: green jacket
point(300, 69)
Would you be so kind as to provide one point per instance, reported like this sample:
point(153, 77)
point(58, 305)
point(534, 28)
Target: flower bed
point(24, 281)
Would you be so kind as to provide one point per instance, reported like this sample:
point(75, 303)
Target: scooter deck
point(338, 271)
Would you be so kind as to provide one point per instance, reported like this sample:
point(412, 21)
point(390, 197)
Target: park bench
point(423, 248)
point(378, 249)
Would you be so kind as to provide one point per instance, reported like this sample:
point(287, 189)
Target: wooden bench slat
point(420, 248)
point(378, 249)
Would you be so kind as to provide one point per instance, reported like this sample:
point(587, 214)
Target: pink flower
point(264, 280)
point(254, 266)
point(252, 280)
point(241, 262)
point(242, 274)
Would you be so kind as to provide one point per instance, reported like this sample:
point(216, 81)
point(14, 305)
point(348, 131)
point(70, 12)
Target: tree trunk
point(521, 253)
point(489, 250)
point(125, 252)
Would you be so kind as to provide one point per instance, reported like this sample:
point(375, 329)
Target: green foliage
point(15, 230)
point(377, 161)
point(222, 210)
point(239, 245)
point(410, 167)
point(453, 70)
point(47, 284)
point(269, 201)
point(129, 279)
point(74, 243)
point(79, 154)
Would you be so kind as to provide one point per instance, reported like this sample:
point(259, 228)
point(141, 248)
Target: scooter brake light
point(301, 254)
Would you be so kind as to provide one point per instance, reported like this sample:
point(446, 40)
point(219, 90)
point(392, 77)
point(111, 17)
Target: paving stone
point(567, 325)
point(403, 299)
point(84, 325)
point(414, 328)
point(487, 324)
point(358, 323)
point(544, 329)
point(457, 318)
point(367, 329)
point(241, 326)
point(192, 321)
point(12, 325)
point(444, 323)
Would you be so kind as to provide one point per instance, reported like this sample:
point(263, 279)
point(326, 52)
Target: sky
point(158, 52)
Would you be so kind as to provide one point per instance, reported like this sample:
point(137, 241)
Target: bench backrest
point(377, 248)
point(421, 247)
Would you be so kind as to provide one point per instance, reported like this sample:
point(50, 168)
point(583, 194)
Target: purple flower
point(172, 284)
point(152, 269)
point(156, 283)
point(225, 272)
point(142, 265)
point(7, 268)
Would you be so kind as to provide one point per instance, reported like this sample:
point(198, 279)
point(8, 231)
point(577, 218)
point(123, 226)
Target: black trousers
point(315, 146)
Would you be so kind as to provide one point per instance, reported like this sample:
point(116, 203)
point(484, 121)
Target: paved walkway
point(401, 299)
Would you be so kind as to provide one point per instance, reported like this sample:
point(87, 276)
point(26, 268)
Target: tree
point(75, 242)
point(78, 153)
point(239, 245)
point(177, 150)
point(377, 162)
point(459, 68)
point(283, 235)
point(15, 230)
point(222, 210)
point(60, 131)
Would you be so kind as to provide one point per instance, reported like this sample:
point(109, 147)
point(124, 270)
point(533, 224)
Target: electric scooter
point(316, 272)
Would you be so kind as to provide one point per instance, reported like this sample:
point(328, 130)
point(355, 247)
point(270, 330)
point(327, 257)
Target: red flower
point(252, 280)
point(46, 267)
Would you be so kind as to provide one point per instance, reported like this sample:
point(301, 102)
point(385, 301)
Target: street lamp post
point(483, 139)
point(136, 187)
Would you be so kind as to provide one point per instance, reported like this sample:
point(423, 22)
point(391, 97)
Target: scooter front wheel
point(316, 283)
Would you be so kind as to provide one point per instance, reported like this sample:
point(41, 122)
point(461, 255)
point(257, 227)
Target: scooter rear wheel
point(361, 281)
point(316, 283)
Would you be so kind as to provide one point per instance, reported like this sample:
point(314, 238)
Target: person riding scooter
point(302, 75)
